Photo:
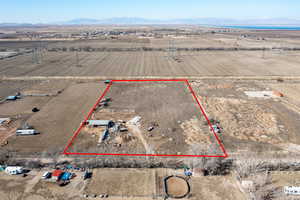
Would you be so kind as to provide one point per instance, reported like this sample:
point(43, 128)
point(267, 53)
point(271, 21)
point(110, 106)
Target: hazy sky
point(39, 11)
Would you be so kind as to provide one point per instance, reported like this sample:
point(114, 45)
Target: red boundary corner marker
point(225, 155)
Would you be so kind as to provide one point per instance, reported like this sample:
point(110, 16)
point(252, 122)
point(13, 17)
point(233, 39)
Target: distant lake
point(289, 28)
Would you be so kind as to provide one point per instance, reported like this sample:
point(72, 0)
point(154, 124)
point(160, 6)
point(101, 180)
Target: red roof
point(57, 172)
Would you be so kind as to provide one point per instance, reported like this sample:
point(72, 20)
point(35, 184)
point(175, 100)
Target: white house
point(291, 190)
point(14, 170)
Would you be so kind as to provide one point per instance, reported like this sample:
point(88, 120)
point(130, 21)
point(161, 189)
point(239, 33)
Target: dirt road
point(138, 133)
point(95, 78)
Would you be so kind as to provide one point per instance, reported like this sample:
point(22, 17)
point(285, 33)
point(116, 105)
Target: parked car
point(87, 175)
point(47, 175)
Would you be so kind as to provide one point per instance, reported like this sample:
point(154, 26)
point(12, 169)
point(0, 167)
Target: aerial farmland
point(212, 105)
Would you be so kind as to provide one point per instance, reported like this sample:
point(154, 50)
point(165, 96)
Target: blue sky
point(43, 11)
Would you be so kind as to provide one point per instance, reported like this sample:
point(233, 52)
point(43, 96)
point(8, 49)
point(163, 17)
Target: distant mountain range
point(194, 21)
point(188, 21)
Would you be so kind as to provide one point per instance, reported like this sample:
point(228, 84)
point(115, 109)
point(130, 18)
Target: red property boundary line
point(225, 155)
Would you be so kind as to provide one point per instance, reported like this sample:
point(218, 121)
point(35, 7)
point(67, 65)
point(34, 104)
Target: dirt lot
point(217, 188)
point(282, 179)
point(149, 183)
point(159, 63)
point(168, 107)
point(118, 184)
point(8, 88)
point(153, 64)
point(272, 127)
point(35, 188)
point(123, 182)
point(250, 123)
point(52, 120)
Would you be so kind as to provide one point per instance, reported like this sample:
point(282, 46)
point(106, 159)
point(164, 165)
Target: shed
point(56, 174)
point(104, 135)
point(96, 123)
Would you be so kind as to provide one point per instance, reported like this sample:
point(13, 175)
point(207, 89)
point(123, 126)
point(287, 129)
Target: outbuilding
point(56, 174)
point(105, 134)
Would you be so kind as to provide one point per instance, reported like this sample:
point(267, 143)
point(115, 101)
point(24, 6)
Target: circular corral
point(176, 187)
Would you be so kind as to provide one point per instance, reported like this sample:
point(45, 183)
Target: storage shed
point(56, 174)
point(105, 134)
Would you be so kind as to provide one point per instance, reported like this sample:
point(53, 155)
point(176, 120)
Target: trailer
point(96, 123)
point(27, 132)
point(105, 135)
point(13, 170)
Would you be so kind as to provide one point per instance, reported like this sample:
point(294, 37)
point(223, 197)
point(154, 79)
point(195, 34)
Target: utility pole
point(37, 53)
point(77, 59)
point(172, 49)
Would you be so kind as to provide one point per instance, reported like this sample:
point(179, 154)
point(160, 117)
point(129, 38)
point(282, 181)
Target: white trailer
point(291, 190)
point(27, 132)
point(12, 170)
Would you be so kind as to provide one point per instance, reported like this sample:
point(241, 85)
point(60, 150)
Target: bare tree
point(263, 188)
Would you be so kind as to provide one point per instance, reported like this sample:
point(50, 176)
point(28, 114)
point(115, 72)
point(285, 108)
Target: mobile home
point(14, 170)
point(27, 132)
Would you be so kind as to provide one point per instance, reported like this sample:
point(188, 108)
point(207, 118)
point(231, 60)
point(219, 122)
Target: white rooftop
point(2, 120)
point(260, 94)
